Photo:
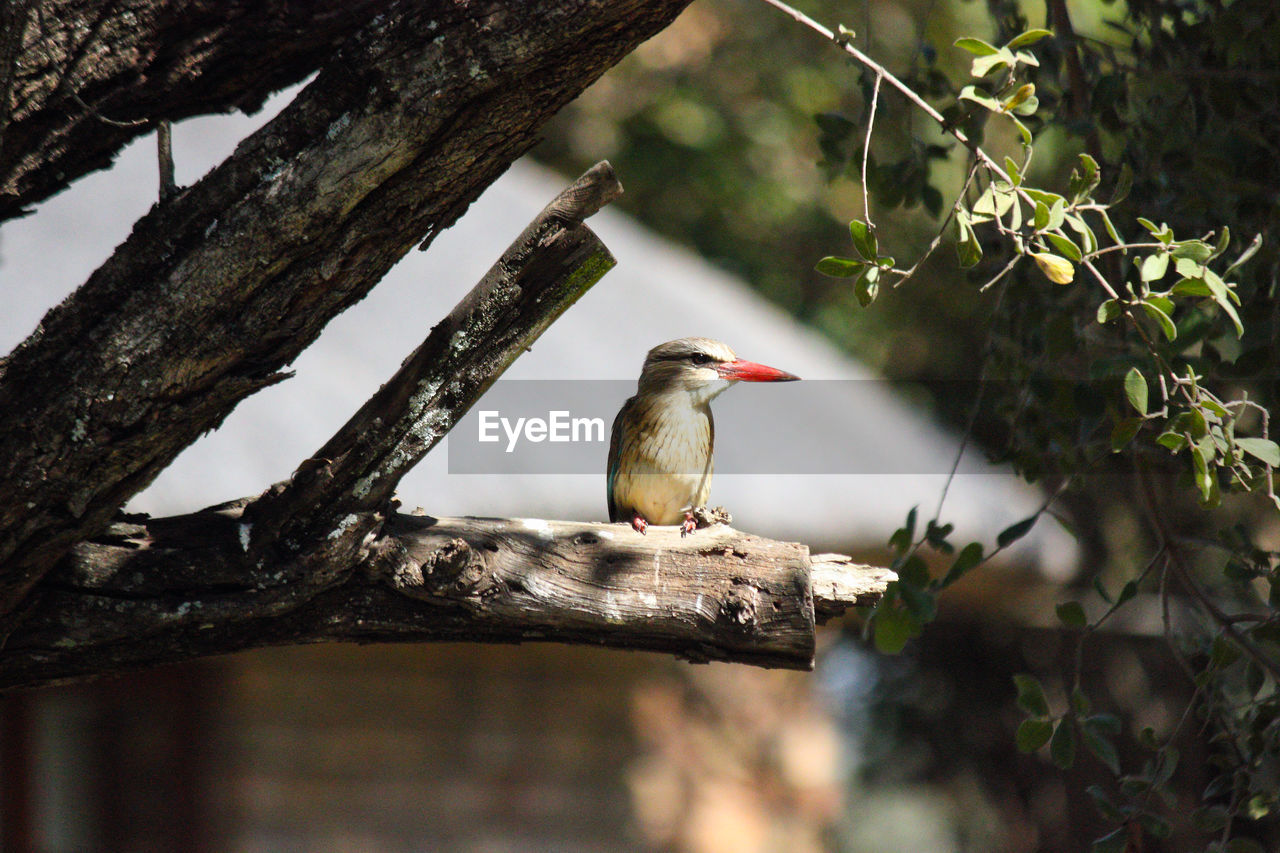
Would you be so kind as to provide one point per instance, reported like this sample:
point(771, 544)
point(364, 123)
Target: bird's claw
point(639, 523)
point(689, 524)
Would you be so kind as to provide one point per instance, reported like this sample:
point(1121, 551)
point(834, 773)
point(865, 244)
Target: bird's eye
point(700, 358)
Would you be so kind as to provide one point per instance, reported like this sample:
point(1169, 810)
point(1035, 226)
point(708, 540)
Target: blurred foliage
point(1102, 261)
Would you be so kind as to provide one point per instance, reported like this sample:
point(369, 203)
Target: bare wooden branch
point(552, 263)
point(150, 591)
point(222, 285)
point(164, 152)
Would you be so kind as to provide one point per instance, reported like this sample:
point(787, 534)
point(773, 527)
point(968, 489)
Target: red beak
point(749, 371)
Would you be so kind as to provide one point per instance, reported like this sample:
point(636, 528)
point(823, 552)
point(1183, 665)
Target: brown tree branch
point(91, 76)
point(222, 285)
point(159, 590)
point(552, 263)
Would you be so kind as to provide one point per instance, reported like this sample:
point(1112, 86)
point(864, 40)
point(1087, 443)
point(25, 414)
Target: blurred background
point(736, 134)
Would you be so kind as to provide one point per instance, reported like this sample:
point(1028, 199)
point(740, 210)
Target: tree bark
point(151, 591)
point(222, 285)
point(79, 79)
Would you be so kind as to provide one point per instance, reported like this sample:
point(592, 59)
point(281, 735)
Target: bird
point(660, 451)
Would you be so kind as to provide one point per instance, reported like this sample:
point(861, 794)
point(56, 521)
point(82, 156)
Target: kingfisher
point(660, 454)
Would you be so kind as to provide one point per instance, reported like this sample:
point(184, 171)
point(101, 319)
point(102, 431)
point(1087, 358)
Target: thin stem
point(1182, 571)
point(977, 406)
point(937, 238)
point(866, 152)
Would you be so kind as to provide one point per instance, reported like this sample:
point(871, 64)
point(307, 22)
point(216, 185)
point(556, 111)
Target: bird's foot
point(689, 524)
point(639, 523)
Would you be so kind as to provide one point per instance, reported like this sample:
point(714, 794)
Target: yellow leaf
point(1057, 270)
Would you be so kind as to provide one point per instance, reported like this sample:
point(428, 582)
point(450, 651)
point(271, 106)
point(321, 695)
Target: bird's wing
point(615, 456)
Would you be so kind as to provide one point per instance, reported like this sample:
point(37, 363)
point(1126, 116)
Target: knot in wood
point(447, 564)
point(741, 605)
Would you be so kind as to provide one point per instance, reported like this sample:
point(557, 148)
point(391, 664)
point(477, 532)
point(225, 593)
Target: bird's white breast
point(666, 462)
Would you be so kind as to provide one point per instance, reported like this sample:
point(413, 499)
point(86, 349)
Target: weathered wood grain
point(151, 591)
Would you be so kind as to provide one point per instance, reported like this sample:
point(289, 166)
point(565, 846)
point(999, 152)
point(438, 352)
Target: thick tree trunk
point(159, 590)
point(222, 285)
point(81, 78)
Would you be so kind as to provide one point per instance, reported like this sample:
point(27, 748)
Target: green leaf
point(1191, 287)
point(1015, 174)
point(1108, 311)
point(1135, 389)
point(1192, 422)
point(1057, 212)
point(893, 627)
point(1164, 303)
point(1028, 38)
point(914, 572)
point(1031, 695)
point(1043, 195)
point(968, 251)
point(1088, 240)
point(1097, 742)
point(840, 267)
point(1224, 240)
point(1110, 226)
point(1200, 466)
point(1193, 250)
point(1123, 433)
point(1024, 131)
point(1162, 232)
point(973, 93)
point(1062, 747)
point(1071, 614)
point(977, 47)
point(995, 201)
point(920, 603)
point(1261, 448)
point(1066, 247)
point(1014, 532)
point(1116, 841)
point(1249, 252)
point(1176, 442)
point(1222, 291)
point(1041, 216)
point(867, 286)
point(1084, 179)
point(1033, 734)
point(969, 556)
point(1103, 804)
point(984, 65)
point(1155, 266)
point(1124, 183)
point(1215, 408)
point(1162, 319)
point(864, 240)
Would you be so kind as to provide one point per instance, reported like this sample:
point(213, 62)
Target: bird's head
point(701, 367)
